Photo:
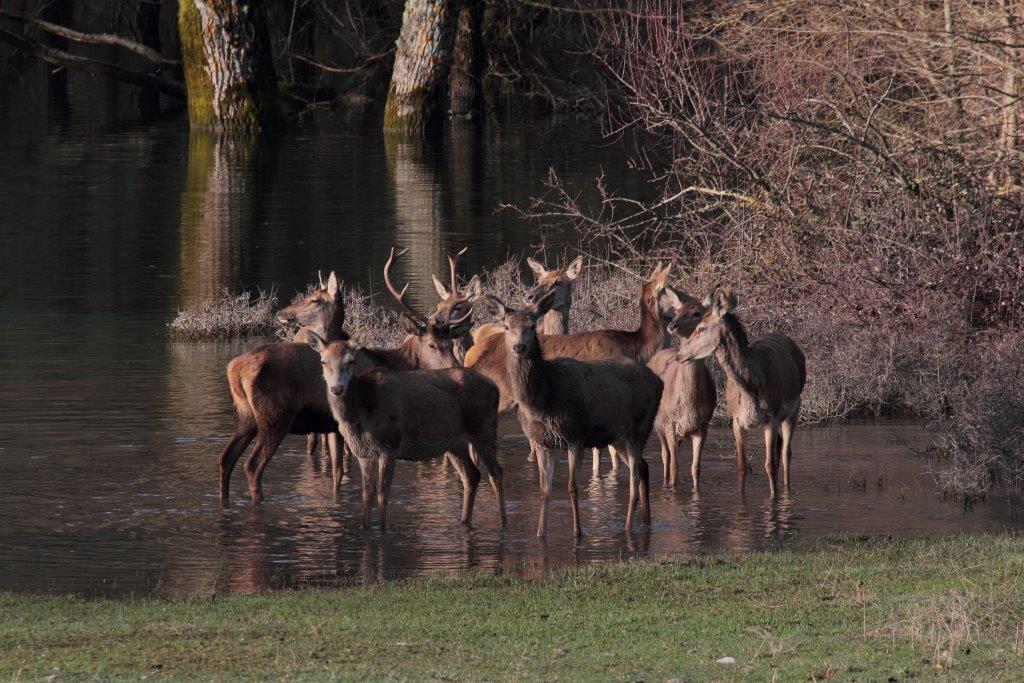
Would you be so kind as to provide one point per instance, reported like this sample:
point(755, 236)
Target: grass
point(231, 315)
point(852, 609)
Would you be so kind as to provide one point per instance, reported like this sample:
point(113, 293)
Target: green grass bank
point(848, 609)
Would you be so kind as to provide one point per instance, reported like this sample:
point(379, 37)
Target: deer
point(574, 404)
point(765, 377)
point(388, 415)
point(321, 310)
point(277, 389)
point(658, 303)
point(689, 399)
point(456, 302)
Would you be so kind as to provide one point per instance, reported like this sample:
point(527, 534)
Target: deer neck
point(404, 357)
point(555, 321)
point(527, 376)
point(733, 355)
point(651, 336)
point(330, 328)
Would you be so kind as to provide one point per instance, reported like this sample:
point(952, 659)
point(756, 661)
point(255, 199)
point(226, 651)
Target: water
point(109, 431)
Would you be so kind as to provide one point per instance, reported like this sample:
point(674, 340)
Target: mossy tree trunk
point(229, 73)
point(467, 61)
point(422, 61)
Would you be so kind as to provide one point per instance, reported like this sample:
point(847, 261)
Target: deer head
point(338, 360)
point(434, 341)
point(317, 308)
point(455, 310)
point(712, 326)
point(520, 326)
point(557, 280)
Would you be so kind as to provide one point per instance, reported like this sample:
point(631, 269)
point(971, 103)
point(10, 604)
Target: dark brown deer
point(658, 303)
point(277, 389)
point(322, 311)
point(457, 303)
point(569, 404)
point(688, 401)
point(764, 379)
point(387, 415)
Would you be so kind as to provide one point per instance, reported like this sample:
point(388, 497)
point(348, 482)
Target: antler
point(320, 277)
point(453, 266)
point(409, 311)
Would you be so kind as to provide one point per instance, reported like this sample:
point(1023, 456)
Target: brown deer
point(277, 389)
point(457, 303)
point(323, 311)
point(764, 379)
point(569, 404)
point(387, 415)
point(688, 401)
point(658, 303)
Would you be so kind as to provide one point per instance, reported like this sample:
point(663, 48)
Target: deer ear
point(333, 285)
point(722, 301)
point(472, 290)
point(575, 268)
point(315, 341)
point(673, 297)
point(536, 266)
point(495, 307)
point(442, 291)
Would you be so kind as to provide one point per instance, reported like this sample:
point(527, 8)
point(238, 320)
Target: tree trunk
point(464, 84)
point(422, 60)
point(225, 52)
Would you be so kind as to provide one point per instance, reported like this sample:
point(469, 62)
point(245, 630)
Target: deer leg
point(366, 487)
point(240, 440)
point(741, 457)
point(634, 472)
point(673, 459)
point(311, 443)
point(385, 474)
point(663, 441)
point(645, 486)
point(614, 455)
point(786, 428)
point(546, 476)
point(574, 455)
point(259, 459)
point(597, 462)
point(324, 439)
point(485, 455)
point(698, 448)
point(333, 447)
point(769, 456)
point(346, 459)
point(470, 476)
point(532, 457)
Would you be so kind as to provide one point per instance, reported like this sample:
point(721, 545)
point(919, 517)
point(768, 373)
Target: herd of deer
point(440, 393)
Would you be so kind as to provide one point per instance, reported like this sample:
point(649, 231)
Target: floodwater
point(110, 431)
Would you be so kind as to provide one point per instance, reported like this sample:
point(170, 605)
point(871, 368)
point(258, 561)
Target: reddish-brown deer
point(387, 415)
point(764, 379)
point(688, 401)
point(277, 389)
point(322, 311)
point(569, 404)
point(657, 308)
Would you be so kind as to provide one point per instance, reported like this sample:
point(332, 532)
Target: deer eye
point(432, 345)
point(558, 283)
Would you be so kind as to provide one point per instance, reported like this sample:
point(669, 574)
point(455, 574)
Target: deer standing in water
point(387, 415)
point(277, 389)
point(658, 303)
point(764, 379)
point(322, 311)
point(688, 401)
point(569, 404)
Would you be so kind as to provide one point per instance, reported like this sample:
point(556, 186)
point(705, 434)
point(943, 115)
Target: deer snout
point(519, 349)
point(532, 296)
point(337, 389)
